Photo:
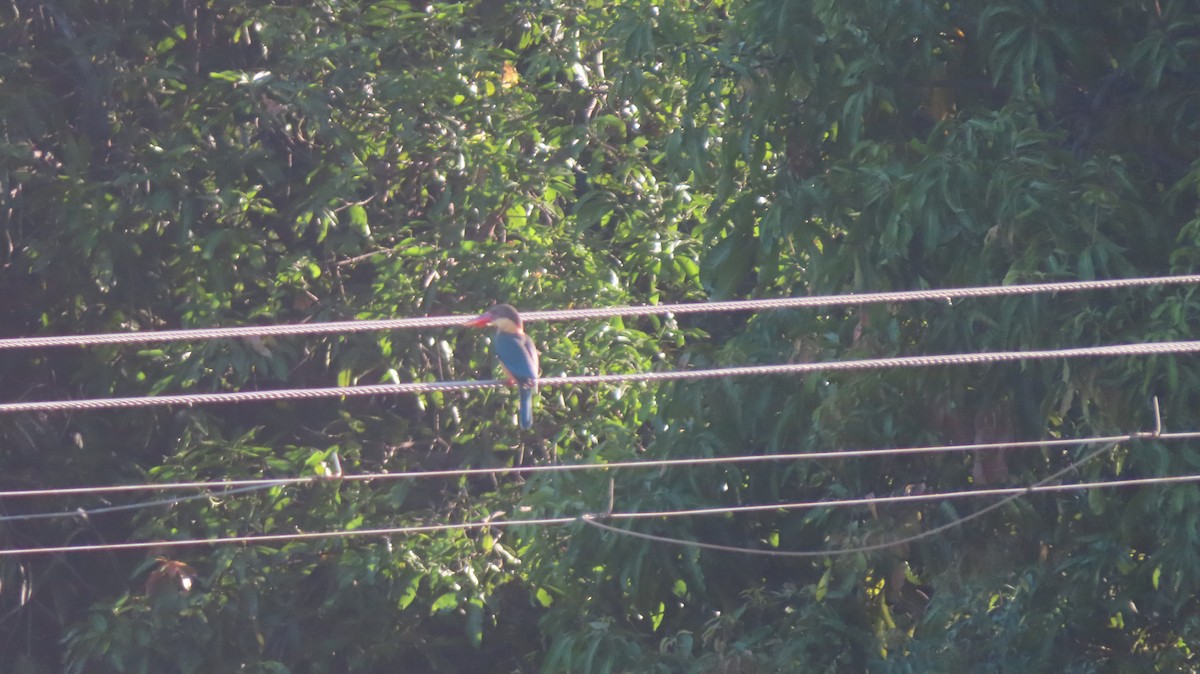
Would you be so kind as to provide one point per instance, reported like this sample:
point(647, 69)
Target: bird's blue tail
point(526, 413)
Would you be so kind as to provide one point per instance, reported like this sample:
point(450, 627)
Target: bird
point(518, 356)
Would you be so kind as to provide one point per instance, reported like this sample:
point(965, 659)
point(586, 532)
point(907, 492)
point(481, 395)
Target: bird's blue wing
point(518, 355)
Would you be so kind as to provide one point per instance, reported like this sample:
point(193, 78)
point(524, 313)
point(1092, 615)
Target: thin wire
point(238, 486)
point(87, 512)
point(1016, 492)
point(576, 467)
point(853, 299)
point(287, 538)
point(749, 370)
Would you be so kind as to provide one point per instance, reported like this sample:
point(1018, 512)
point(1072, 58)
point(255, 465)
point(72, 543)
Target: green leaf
point(228, 75)
point(443, 603)
point(410, 592)
point(358, 221)
point(473, 627)
point(823, 585)
point(656, 616)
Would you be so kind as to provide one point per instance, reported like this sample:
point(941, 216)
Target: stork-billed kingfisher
point(516, 352)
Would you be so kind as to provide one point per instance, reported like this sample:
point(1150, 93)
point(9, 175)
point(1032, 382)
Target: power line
point(593, 519)
point(749, 370)
point(1012, 495)
point(852, 299)
point(287, 538)
point(228, 485)
point(86, 512)
point(231, 487)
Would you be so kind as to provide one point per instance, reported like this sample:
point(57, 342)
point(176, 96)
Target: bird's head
point(503, 316)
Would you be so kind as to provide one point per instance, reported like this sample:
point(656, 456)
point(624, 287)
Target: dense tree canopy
point(212, 163)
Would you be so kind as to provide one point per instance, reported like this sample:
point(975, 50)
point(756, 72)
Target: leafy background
point(204, 162)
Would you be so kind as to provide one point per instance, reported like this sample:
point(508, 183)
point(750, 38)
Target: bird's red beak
point(484, 319)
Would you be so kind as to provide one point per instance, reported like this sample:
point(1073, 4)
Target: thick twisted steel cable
point(1151, 348)
point(420, 322)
